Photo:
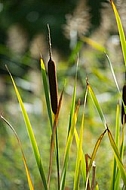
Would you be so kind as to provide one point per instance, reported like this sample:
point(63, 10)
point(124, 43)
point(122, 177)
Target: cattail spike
point(53, 85)
point(123, 114)
point(52, 78)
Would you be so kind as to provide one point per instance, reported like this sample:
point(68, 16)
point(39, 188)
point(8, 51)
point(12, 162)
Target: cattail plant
point(52, 78)
point(84, 163)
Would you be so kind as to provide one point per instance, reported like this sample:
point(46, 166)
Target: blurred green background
point(23, 38)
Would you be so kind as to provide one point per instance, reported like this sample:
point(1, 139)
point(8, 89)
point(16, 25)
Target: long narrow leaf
point(80, 154)
point(93, 96)
point(46, 91)
point(73, 104)
point(52, 144)
point(57, 144)
point(117, 129)
point(116, 171)
point(72, 123)
point(78, 158)
point(67, 149)
point(117, 157)
point(96, 149)
point(121, 30)
point(94, 44)
point(83, 164)
point(23, 156)
point(31, 135)
point(113, 73)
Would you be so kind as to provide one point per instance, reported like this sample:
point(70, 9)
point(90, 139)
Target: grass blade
point(113, 73)
point(52, 144)
point(75, 51)
point(72, 123)
point(96, 149)
point(93, 96)
point(46, 90)
point(82, 157)
point(121, 30)
point(72, 107)
point(79, 157)
point(80, 154)
point(94, 44)
point(116, 172)
point(92, 159)
point(67, 148)
point(23, 156)
point(31, 135)
point(117, 157)
point(73, 98)
point(117, 129)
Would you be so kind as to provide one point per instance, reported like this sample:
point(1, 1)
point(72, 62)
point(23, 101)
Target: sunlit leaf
point(52, 144)
point(79, 156)
point(93, 96)
point(80, 153)
point(121, 30)
point(31, 135)
point(94, 44)
point(113, 73)
point(46, 90)
point(117, 157)
point(116, 171)
point(96, 149)
point(67, 149)
point(23, 156)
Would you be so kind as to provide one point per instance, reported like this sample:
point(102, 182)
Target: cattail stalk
point(52, 79)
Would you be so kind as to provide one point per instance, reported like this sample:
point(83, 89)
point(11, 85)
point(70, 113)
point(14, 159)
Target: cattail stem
point(49, 40)
point(54, 104)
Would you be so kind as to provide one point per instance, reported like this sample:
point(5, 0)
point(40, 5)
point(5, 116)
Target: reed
point(85, 167)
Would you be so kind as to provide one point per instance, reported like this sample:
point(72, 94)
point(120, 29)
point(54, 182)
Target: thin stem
point(49, 40)
point(57, 160)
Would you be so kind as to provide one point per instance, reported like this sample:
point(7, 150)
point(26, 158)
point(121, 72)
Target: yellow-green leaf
point(117, 157)
point(93, 96)
point(121, 30)
point(23, 156)
point(94, 44)
point(31, 134)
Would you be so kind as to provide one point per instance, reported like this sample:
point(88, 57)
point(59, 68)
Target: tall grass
point(85, 168)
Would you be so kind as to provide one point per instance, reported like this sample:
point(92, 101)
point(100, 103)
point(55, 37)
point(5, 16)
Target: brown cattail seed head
point(123, 115)
point(53, 85)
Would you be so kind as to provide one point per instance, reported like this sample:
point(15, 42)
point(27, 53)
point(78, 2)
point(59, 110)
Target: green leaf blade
point(121, 31)
point(30, 183)
point(46, 90)
point(72, 123)
point(31, 134)
point(93, 96)
point(117, 157)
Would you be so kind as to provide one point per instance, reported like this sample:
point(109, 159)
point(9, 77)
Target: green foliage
point(31, 135)
point(23, 156)
point(121, 32)
point(84, 169)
